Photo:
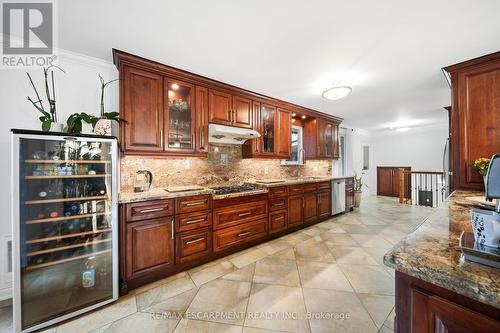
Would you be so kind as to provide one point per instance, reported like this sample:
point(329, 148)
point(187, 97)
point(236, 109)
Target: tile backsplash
point(222, 166)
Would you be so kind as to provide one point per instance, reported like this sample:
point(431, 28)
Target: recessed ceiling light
point(175, 86)
point(403, 129)
point(337, 92)
point(294, 114)
point(303, 117)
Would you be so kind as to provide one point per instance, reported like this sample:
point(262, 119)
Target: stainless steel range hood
point(229, 134)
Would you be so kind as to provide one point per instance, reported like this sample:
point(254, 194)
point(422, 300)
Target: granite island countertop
point(431, 253)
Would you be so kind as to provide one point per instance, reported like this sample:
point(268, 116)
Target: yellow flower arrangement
point(481, 165)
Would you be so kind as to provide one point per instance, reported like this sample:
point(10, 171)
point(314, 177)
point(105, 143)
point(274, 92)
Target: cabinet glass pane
point(329, 139)
point(179, 116)
point(65, 229)
point(267, 116)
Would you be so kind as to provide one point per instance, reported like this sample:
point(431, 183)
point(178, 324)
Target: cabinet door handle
point(193, 203)
point(279, 218)
point(161, 138)
point(241, 234)
point(172, 226)
point(195, 240)
point(195, 221)
point(244, 214)
point(151, 210)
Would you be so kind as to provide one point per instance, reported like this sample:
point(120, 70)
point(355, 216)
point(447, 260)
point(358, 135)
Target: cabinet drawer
point(239, 234)
point(232, 215)
point(193, 245)
point(190, 221)
point(279, 191)
point(278, 221)
point(193, 204)
point(310, 187)
point(324, 185)
point(296, 189)
point(148, 210)
point(277, 204)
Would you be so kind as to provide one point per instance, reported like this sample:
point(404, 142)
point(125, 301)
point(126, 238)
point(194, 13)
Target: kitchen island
point(436, 289)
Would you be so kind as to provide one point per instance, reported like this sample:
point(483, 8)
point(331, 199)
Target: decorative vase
point(103, 127)
point(56, 127)
point(357, 198)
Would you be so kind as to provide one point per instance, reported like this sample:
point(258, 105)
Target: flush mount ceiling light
point(336, 92)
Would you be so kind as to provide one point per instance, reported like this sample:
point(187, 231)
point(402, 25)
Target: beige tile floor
point(290, 284)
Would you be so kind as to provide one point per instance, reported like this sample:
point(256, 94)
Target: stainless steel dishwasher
point(338, 196)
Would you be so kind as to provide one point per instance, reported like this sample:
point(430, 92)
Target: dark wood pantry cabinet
point(388, 180)
point(475, 117)
point(166, 112)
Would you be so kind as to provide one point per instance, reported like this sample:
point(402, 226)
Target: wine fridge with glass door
point(64, 223)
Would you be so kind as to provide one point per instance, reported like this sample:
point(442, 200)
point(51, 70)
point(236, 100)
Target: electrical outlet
point(187, 164)
point(315, 169)
point(266, 170)
point(224, 159)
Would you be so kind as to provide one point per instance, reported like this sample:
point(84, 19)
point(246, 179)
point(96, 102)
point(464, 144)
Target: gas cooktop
point(233, 189)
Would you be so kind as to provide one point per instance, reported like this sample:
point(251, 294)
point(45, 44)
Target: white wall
point(355, 140)
point(76, 91)
point(421, 149)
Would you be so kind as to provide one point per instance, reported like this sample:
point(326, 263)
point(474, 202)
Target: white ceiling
point(389, 51)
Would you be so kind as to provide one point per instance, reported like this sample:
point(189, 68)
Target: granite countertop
point(158, 193)
point(238, 194)
point(161, 193)
point(292, 181)
point(431, 253)
point(342, 177)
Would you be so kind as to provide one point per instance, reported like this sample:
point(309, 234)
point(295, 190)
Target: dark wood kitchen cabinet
point(179, 116)
point(142, 110)
point(422, 307)
point(275, 126)
point(160, 115)
point(475, 117)
point(321, 139)
point(388, 180)
point(324, 204)
point(201, 124)
point(284, 133)
point(310, 207)
point(231, 110)
point(153, 98)
point(295, 210)
point(150, 247)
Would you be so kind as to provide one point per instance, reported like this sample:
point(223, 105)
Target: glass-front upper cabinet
point(268, 115)
point(179, 116)
point(328, 140)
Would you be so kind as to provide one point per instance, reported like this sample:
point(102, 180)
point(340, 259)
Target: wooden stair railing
point(422, 188)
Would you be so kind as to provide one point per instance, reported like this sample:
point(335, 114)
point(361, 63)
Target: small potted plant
point(358, 190)
point(102, 125)
point(49, 116)
point(481, 165)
